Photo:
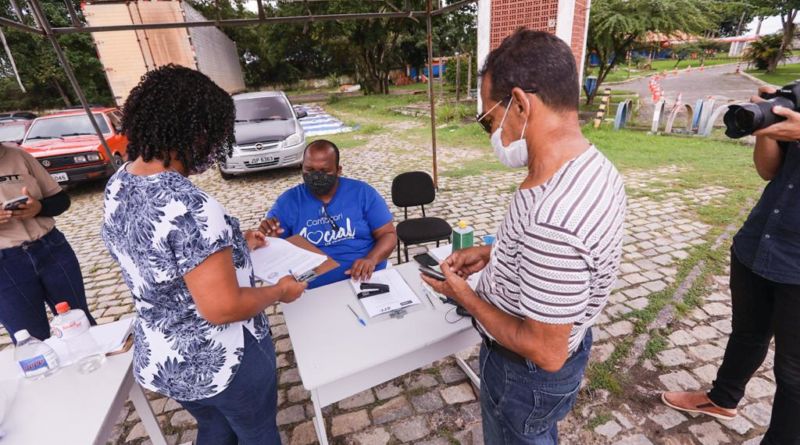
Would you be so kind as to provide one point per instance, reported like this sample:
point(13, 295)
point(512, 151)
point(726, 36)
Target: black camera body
point(744, 119)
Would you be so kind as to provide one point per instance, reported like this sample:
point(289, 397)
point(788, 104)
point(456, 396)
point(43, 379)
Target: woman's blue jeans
point(45, 271)
point(245, 412)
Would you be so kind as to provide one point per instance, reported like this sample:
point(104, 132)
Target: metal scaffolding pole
point(19, 26)
point(11, 60)
point(73, 15)
point(432, 98)
point(17, 11)
point(62, 59)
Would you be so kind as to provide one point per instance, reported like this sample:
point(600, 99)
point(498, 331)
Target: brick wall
point(509, 15)
point(579, 30)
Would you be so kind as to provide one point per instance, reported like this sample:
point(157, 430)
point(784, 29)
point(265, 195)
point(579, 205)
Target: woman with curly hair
point(200, 335)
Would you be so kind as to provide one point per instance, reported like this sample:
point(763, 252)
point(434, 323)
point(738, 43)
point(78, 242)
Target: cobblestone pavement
point(436, 405)
point(693, 352)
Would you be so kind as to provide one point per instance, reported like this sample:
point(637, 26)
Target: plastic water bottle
point(36, 359)
point(72, 327)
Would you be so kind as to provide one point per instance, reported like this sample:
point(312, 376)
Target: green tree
point(702, 48)
point(42, 75)
point(787, 10)
point(766, 51)
point(617, 26)
point(732, 17)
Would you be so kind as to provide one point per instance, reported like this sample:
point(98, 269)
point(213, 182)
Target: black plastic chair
point(414, 189)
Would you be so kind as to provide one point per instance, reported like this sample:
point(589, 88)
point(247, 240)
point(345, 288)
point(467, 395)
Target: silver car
point(268, 134)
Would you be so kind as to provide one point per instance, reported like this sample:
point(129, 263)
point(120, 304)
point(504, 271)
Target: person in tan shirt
point(37, 265)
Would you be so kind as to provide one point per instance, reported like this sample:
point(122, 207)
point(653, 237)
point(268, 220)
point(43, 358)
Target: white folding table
point(337, 357)
point(73, 408)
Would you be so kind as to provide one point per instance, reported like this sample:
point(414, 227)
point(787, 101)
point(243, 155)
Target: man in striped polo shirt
point(555, 261)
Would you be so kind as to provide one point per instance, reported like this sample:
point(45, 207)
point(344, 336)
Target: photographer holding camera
point(765, 285)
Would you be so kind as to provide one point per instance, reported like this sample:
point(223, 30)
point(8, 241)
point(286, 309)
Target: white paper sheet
point(109, 337)
point(399, 296)
point(441, 253)
point(280, 258)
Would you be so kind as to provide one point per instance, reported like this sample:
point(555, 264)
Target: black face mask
point(319, 183)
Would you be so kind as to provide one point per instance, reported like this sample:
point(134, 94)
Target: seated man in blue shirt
point(347, 219)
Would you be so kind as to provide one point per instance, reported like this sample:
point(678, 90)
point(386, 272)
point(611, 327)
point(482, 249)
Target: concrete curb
point(644, 76)
point(756, 79)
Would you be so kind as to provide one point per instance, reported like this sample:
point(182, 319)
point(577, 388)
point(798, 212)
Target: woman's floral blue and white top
point(158, 228)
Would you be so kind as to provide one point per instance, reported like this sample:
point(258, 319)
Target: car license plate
point(60, 177)
point(262, 160)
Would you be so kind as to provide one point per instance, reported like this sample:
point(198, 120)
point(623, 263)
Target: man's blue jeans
point(522, 404)
point(245, 412)
point(45, 271)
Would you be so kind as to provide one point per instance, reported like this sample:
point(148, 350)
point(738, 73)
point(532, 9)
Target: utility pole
point(458, 78)
point(441, 78)
point(741, 23)
point(469, 75)
point(430, 96)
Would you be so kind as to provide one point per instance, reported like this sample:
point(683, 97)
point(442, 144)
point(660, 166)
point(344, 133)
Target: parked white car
point(268, 134)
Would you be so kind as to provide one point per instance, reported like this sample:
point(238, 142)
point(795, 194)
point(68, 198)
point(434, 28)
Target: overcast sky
point(771, 25)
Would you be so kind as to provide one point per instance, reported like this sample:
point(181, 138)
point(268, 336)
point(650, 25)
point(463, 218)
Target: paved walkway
point(718, 82)
point(436, 405)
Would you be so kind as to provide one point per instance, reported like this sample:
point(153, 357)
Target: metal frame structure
point(44, 28)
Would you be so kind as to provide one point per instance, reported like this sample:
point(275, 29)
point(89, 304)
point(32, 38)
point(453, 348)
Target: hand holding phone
point(15, 203)
point(430, 272)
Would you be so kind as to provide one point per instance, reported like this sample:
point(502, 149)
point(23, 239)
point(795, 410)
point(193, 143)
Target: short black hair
point(181, 110)
point(320, 144)
point(534, 61)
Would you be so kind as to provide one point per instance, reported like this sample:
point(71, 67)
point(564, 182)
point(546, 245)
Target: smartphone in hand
point(15, 203)
point(429, 272)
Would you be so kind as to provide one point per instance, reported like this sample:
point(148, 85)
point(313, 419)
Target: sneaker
point(696, 402)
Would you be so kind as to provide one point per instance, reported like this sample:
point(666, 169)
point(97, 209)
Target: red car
point(13, 126)
point(67, 146)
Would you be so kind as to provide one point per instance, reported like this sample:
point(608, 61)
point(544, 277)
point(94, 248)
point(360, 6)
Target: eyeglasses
point(333, 224)
point(487, 123)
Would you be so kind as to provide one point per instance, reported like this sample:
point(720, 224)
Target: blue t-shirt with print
point(356, 208)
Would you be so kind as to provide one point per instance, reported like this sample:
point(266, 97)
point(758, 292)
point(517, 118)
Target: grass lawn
point(785, 74)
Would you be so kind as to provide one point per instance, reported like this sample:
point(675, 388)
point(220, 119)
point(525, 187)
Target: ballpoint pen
point(356, 315)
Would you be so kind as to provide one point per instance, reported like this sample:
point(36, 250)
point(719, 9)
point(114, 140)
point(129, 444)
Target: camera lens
point(744, 119)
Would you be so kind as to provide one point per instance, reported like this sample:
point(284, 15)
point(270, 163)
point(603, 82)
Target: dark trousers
point(245, 412)
point(521, 403)
point(763, 309)
point(45, 271)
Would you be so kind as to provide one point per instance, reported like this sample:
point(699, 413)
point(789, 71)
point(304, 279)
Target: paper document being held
point(399, 296)
point(280, 258)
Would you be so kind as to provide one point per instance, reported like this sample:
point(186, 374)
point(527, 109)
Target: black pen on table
point(363, 323)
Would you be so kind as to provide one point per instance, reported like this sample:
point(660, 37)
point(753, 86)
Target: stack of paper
point(281, 258)
point(399, 296)
point(109, 337)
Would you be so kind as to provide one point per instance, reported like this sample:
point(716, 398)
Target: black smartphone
point(14, 204)
point(425, 259)
point(435, 274)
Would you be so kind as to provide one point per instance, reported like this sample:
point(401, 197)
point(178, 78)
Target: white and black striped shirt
point(558, 249)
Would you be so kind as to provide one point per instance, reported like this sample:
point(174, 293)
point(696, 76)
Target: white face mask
point(515, 155)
